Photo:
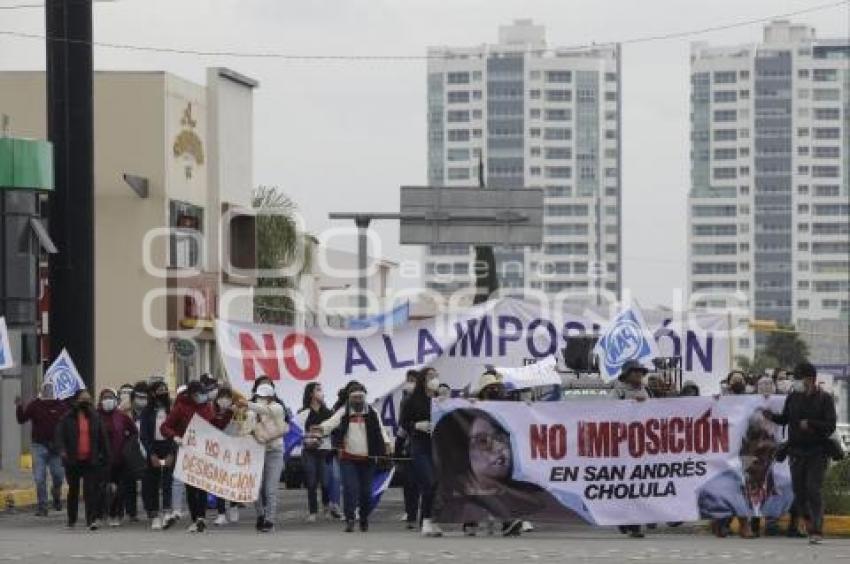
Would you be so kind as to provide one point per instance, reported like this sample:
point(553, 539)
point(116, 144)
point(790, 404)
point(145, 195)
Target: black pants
point(92, 478)
point(411, 494)
point(114, 490)
point(130, 490)
point(197, 500)
point(156, 486)
point(807, 473)
point(315, 462)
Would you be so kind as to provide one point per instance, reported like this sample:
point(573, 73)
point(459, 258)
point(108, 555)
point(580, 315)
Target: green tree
point(785, 345)
point(783, 349)
point(279, 244)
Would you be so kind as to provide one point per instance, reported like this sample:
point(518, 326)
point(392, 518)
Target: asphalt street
point(26, 538)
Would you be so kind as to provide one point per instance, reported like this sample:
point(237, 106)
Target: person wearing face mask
point(410, 487)
point(133, 408)
point(444, 391)
point(809, 413)
point(119, 429)
point(82, 444)
point(269, 428)
point(316, 448)
point(125, 393)
point(44, 412)
point(416, 421)
point(194, 402)
point(736, 383)
point(361, 440)
point(783, 382)
point(225, 406)
point(160, 452)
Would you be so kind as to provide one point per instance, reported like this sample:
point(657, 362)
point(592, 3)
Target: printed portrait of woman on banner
point(474, 458)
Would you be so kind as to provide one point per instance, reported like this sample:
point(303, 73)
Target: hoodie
point(119, 429)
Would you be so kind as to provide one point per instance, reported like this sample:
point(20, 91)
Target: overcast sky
point(345, 135)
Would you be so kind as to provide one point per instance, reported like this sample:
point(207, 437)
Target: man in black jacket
point(809, 414)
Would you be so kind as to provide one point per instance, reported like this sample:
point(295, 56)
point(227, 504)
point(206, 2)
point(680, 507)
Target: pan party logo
point(188, 145)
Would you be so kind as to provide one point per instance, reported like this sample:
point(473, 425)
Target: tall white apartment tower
point(770, 170)
point(535, 117)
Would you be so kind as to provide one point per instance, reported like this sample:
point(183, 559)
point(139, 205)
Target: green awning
point(26, 164)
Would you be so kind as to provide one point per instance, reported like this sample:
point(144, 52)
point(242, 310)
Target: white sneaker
point(220, 521)
point(233, 514)
point(193, 528)
point(115, 522)
point(156, 524)
point(527, 527)
point(311, 518)
point(430, 529)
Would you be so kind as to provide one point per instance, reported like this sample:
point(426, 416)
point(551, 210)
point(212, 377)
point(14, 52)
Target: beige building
point(173, 181)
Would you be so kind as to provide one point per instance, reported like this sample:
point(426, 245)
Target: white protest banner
point(540, 373)
point(625, 338)
point(64, 376)
point(506, 332)
point(6, 360)
point(609, 462)
point(227, 467)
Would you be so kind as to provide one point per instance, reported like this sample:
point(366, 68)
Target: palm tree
point(279, 243)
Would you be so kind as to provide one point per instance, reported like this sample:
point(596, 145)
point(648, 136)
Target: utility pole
point(70, 127)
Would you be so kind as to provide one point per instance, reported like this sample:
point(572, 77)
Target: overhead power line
point(403, 58)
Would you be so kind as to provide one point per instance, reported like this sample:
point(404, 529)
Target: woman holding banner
point(416, 421)
point(194, 402)
point(269, 430)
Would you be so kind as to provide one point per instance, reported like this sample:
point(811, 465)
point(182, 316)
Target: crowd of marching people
point(125, 442)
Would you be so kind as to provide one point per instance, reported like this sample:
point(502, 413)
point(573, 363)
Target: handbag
point(134, 460)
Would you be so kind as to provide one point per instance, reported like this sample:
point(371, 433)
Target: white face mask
point(224, 403)
point(141, 403)
point(783, 386)
point(433, 384)
point(108, 404)
point(213, 393)
point(408, 387)
point(798, 386)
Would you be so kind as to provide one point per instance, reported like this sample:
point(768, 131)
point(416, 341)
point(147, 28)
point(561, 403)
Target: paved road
point(26, 538)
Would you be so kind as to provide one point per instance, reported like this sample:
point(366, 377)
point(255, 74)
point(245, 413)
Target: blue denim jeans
point(356, 487)
point(333, 480)
point(42, 461)
point(266, 504)
point(423, 470)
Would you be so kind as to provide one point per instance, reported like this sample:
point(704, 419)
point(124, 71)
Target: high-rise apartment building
point(535, 117)
point(768, 206)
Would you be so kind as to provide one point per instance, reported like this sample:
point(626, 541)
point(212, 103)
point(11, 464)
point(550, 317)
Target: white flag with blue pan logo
point(64, 376)
point(625, 338)
point(5, 350)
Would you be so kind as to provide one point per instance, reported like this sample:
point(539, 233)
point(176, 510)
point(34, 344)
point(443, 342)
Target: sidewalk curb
point(833, 525)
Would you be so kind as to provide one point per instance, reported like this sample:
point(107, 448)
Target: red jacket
point(119, 429)
point(182, 412)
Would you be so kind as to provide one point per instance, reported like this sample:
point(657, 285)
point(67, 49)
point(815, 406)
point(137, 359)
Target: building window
point(825, 171)
point(187, 225)
point(724, 77)
point(802, 150)
point(558, 153)
point(828, 113)
point(534, 171)
point(476, 133)
point(557, 133)
point(725, 154)
point(476, 76)
point(457, 116)
point(458, 135)
point(534, 75)
point(725, 115)
point(558, 115)
point(802, 208)
point(610, 96)
point(803, 73)
point(725, 96)
point(458, 173)
point(825, 75)
point(457, 78)
point(803, 189)
point(610, 77)
point(827, 133)
point(826, 190)
point(458, 96)
point(802, 132)
point(827, 152)
point(826, 94)
point(803, 304)
point(534, 113)
point(803, 170)
point(725, 134)
point(722, 173)
point(744, 94)
point(534, 94)
point(558, 172)
point(744, 74)
point(476, 94)
point(458, 155)
point(535, 151)
point(558, 76)
point(559, 95)
point(534, 132)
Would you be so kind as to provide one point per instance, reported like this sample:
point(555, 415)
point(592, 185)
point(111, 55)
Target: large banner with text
point(504, 332)
point(609, 462)
point(227, 467)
